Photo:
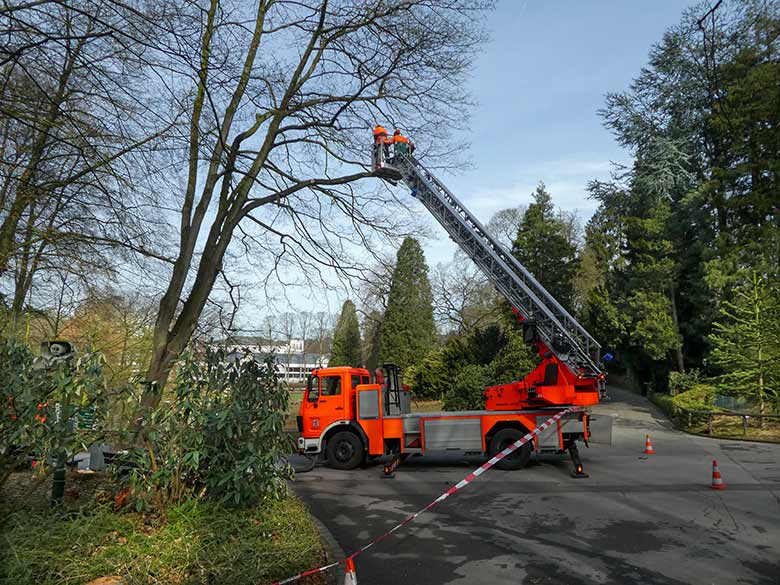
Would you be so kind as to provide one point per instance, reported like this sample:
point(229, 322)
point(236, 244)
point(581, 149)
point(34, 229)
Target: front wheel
point(518, 458)
point(345, 450)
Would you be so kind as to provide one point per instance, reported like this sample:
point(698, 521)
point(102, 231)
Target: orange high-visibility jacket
point(380, 135)
point(400, 138)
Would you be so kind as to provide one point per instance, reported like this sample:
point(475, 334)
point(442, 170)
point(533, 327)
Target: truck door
point(324, 402)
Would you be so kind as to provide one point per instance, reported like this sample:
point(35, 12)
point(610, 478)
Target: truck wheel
point(345, 450)
point(516, 460)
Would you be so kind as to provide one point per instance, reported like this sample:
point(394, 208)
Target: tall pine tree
point(545, 245)
point(408, 331)
point(346, 348)
point(746, 342)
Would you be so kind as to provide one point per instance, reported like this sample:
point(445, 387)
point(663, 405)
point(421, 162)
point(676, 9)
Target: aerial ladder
point(570, 355)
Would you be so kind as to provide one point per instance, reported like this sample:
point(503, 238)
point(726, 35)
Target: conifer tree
point(544, 245)
point(372, 325)
point(346, 348)
point(408, 331)
point(746, 342)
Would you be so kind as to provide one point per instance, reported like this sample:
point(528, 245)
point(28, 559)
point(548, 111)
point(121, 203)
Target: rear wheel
point(345, 450)
point(518, 458)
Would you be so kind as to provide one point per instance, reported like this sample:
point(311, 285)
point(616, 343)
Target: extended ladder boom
point(556, 328)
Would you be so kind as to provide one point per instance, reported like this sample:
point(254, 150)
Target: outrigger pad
point(579, 474)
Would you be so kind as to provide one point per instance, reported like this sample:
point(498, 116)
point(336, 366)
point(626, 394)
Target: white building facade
point(292, 363)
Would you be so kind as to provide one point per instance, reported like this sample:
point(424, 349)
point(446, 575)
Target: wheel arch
point(501, 425)
point(339, 426)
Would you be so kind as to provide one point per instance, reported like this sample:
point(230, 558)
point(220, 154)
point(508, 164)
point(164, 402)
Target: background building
point(292, 362)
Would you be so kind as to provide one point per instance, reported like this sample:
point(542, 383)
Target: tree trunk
point(679, 347)
point(172, 334)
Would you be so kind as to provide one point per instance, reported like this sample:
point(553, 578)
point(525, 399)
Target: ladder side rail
point(463, 216)
point(499, 270)
point(534, 301)
point(572, 325)
point(540, 291)
point(510, 287)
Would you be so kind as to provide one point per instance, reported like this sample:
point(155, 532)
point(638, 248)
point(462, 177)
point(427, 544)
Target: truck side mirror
point(312, 392)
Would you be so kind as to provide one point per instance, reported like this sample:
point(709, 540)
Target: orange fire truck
point(348, 415)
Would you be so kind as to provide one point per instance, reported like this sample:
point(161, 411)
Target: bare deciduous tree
point(280, 105)
point(76, 132)
point(322, 329)
point(305, 323)
point(463, 299)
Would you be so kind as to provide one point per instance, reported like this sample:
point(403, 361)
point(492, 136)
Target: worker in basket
point(401, 143)
point(381, 145)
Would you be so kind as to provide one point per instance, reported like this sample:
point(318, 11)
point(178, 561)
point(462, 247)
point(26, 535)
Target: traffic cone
point(350, 578)
point(648, 446)
point(717, 482)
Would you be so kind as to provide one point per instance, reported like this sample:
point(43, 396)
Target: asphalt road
point(637, 519)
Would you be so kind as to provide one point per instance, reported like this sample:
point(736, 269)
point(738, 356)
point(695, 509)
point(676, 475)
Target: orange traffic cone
point(648, 446)
point(350, 578)
point(717, 482)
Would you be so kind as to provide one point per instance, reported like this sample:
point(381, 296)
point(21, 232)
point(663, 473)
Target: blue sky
point(539, 84)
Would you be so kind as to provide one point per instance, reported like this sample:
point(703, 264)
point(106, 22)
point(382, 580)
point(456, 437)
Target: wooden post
point(690, 420)
point(744, 424)
point(709, 423)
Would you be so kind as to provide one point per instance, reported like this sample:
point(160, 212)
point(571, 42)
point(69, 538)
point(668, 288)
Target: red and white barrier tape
point(458, 486)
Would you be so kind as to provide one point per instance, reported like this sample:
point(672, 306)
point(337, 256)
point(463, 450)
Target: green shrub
point(34, 399)
point(431, 378)
point(680, 382)
point(664, 402)
point(699, 397)
point(468, 389)
point(220, 435)
point(513, 361)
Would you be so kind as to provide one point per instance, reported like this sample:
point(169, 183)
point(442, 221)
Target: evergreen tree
point(545, 245)
point(746, 342)
point(346, 348)
point(631, 305)
point(408, 331)
point(706, 133)
point(372, 325)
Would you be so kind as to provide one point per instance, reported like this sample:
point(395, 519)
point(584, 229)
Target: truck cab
point(328, 406)
point(343, 409)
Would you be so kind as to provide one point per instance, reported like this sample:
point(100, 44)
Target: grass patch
point(731, 427)
point(197, 543)
point(426, 406)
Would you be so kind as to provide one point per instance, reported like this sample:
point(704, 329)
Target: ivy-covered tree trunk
point(679, 348)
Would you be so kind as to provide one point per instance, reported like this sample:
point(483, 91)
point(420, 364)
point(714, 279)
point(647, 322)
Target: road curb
point(333, 551)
